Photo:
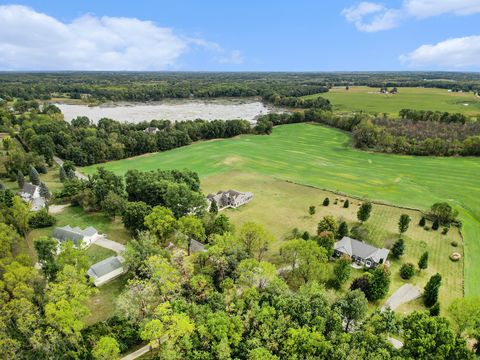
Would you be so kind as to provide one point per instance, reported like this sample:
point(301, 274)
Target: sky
point(213, 35)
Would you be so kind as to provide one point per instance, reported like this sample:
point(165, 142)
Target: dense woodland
point(228, 302)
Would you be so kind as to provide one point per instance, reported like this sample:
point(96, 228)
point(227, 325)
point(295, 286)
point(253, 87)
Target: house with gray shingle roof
point(29, 192)
point(229, 199)
point(361, 252)
point(76, 234)
point(106, 270)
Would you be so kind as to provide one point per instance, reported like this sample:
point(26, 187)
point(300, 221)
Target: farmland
point(322, 157)
point(362, 98)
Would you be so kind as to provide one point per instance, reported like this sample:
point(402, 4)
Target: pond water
point(175, 110)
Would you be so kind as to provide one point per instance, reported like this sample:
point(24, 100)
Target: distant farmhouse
point(106, 270)
point(229, 199)
point(76, 234)
point(31, 194)
point(360, 252)
point(151, 130)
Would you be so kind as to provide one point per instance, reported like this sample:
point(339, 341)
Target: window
point(368, 263)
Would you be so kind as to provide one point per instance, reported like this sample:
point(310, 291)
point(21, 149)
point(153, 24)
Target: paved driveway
point(404, 294)
point(109, 244)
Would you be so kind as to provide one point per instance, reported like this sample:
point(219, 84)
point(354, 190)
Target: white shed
point(106, 270)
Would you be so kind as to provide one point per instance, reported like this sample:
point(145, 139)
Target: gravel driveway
point(404, 294)
point(109, 244)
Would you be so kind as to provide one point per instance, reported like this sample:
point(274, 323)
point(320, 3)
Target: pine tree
point(44, 192)
point(20, 179)
point(364, 211)
point(213, 207)
point(436, 224)
point(312, 210)
point(423, 221)
point(34, 177)
point(342, 230)
point(430, 295)
point(326, 201)
point(62, 174)
point(403, 223)
point(346, 204)
point(398, 248)
point(435, 309)
point(423, 262)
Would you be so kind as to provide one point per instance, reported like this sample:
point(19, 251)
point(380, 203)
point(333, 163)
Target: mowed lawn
point(281, 206)
point(362, 98)
point(323, 157)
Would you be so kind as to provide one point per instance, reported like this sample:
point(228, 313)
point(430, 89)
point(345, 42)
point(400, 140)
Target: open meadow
point(363, 98)
point(323, 158)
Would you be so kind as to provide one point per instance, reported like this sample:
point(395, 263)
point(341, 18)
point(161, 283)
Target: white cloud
point(30, 40)
point(449, 54)
point(371, 17)
point(235, 57)
point(427, 8)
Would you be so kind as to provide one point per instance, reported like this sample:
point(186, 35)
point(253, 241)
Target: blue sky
point(304, 35)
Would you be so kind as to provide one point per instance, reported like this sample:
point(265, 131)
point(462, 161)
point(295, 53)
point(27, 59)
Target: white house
point(360, 252)
point(151, 130)
point(106, 270)
point(76, 234)
point(29, 192)
point(229, 199)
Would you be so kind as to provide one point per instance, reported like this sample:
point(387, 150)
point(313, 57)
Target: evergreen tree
point(403, 223)
point(213, 207)
point(326, 201)
point(364, 211)
point(44, 192)
point(436, 224)
point(346, 204)
point(34, 177)
point(311, 210)
point(398, 248)
point(379, 283)
point(342, 230)
point(430, 295)
point(62, 174)
point(20, 179)
point(423, 262)
point(407, 271)
point(423, 221)
point(435, 309)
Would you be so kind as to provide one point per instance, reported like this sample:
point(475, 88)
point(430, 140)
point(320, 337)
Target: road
point(78, 174)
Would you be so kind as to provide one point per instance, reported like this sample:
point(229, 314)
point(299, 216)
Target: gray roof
point(75, 234)
point(29, 188)
point(196, 246)
point(360, 249)
point(104, 267)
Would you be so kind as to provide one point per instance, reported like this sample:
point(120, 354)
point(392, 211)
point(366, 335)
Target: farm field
point(322, 157)
point(363, 98)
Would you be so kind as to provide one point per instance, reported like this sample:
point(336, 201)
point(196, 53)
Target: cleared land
point(323, 157)
point(362, 98)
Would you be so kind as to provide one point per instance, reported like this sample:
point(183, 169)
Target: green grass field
point(323, 157)
point(362, 98)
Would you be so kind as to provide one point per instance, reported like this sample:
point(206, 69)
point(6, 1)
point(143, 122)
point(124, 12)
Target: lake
point(175, 110)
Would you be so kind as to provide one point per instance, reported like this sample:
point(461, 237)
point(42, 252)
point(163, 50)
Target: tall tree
point(342, 230)
point(133, 216)
point(255, 239)
point(106, 348)
point(423, 261)
point(398, 248)
point(44, 192)
point(403, 223)
point(353, 306)
point(161, 223)
point(20, 179)
point(341, 271)
point(430, 294)
point(327, 223)
point(34, 176)
point(364, 211)
point(213, 207)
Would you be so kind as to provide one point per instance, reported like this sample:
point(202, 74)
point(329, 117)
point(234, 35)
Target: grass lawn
point(323, 157)
point(282, 206)
point(363, 98)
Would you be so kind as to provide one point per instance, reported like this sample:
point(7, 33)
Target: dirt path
point(404, 294)
point(56, 209)
point(78, 174)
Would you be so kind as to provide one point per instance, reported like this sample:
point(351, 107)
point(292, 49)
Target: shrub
point(407, 271)
point(454, 243)
point(445, 230)
point(346, 204)
point(435, 309)
point(326, 201)
point(426, 228)
point(398, 248)
point(436, 224)
point(423, 221)
point(41, 219)
point(312, 210)
point(423, 261)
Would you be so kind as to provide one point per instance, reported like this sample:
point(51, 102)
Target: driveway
point(404, 294)
point(78, 174)
point(102, 241)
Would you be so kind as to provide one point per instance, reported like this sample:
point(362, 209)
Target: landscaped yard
point(322, 157)
point(367, 99)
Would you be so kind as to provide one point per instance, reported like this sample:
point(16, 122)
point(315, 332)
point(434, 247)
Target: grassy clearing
point(282, 206)
point(102, 304)
point(362, 98)
point(323, 157)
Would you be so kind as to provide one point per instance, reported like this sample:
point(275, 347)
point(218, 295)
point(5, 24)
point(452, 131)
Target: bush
point(435, 309)
point(436, 224)
point(423, 221)
point(426, 228)
point(445, 230)
point(407, 271)
point(346, 204)
point(454, 243)
point(41, 219)
point(326, 201)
